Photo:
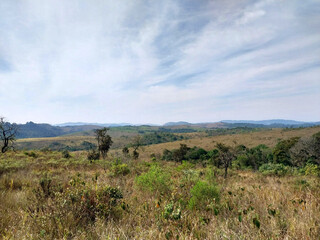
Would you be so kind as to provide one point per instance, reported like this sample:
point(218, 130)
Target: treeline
point(236, 130)
point(160, 137)
point(293, 153)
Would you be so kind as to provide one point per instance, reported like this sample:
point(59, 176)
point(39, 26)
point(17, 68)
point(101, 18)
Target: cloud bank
point(158, 61)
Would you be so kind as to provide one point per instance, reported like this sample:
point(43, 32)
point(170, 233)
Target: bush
point(93, 155)
point(203, 194)
point(273, 169)
point(66, 154)
point(156, 180)
point(196, 154)
point(310, 169)
point(281, 152)
point(167, 155)
point(171, 212)
point(59, 211)
point(119, 168)
point(31, 154)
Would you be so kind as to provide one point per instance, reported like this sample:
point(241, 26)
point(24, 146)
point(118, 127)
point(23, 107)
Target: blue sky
point(158, 61)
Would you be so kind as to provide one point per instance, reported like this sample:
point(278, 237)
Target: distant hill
point(176, 123)
point(37, 130)
point(267, 122)
point(94, 124)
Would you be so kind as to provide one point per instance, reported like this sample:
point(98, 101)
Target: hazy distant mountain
point(94, 124)
point(176, 123)
point(267, 122)
point(37, 130)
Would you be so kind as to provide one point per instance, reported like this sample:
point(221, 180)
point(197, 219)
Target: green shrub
point(310, 169)
point(202, 194)
point(281, 151)
point(196, 154)
point(156, 180)
point(274, 169)
point(185, 166)
point(119, 168)
point(167, 155)
point(171, 212)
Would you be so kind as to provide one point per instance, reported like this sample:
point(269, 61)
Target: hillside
point(40, 130)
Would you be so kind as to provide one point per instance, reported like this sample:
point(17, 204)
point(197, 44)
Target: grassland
point(44, 195)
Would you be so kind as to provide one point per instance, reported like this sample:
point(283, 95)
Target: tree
point(104, 141)
point(136, 143)
point(179, 154)
point(8, 133)
point(281, 152)
point(225, 156)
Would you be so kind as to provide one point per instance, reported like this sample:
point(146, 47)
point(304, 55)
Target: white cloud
point(138, 61)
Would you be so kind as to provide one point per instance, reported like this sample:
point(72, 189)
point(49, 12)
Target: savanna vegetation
point(262, 184)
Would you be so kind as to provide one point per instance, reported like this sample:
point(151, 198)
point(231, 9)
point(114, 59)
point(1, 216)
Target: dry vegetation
point(44, 195)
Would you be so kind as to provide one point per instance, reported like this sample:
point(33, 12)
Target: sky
point(140, 61)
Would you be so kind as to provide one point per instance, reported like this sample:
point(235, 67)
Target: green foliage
point(85, 145)
point(179, 154)
point(196, 154)
point(104, 141)
point(185, 166)
point(160, 137)
point(252, 158)
point(156, 180)
point(274, 169)
point(202, 194)
point(167, 155)
point(310, 169)
point(171, 212)
point(256, 222)
point(119, 168)
point(281, 151)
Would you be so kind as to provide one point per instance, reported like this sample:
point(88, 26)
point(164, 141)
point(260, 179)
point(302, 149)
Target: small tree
point(8, 133)
point(225, 156)
point(136, 143)
point(104, 141)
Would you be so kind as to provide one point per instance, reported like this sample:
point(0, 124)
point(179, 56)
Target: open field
point(123, 136)
point(47, 195)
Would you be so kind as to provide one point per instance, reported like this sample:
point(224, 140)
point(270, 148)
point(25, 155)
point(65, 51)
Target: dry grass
point(285, 207)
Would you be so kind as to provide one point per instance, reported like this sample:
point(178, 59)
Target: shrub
point(60, 212)
point(172, 212)
point(202, 194)
point(167, 155)
point(273, 169)
point(119, 168)
point(66, 154)
point(310, 169)
point(31, 154)
point(185, 166)
point(156, 180)
point(281, 152)
point(93, 155)
point(196, 154)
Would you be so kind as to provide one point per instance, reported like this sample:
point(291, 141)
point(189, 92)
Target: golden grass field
point(249, 205)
